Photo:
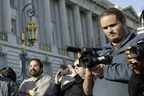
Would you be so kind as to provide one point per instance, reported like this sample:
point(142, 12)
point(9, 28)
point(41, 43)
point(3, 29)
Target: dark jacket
point(117, 73)
point(136, 85)
point(7, 87)
point(74, 88)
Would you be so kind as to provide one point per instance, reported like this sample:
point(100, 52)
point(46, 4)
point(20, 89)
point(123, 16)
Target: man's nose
point(133, 61)
point(31, 67)
point(110, 29)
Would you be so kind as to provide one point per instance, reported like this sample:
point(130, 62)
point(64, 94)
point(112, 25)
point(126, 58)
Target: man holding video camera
point(117, 73)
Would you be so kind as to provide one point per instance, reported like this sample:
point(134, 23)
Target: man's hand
point(58, 77)
point(98, 70)
point(137, 65)
point(72, 71)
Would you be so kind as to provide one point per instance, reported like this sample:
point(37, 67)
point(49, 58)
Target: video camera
point(90, 57)
point(138, 49)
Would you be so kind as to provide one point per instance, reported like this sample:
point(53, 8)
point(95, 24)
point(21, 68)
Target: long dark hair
point(8, 72)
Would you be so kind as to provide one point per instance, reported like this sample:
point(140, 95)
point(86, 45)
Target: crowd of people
point(122, 76)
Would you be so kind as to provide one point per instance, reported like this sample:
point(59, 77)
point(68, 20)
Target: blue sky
point(138, 5)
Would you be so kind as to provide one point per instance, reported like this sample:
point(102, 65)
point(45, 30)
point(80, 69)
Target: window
point(13, 4)
point(14, 27)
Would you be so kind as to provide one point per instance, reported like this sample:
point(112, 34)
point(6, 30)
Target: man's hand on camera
point(72, 71)
point(98, 70)
point(136, 65)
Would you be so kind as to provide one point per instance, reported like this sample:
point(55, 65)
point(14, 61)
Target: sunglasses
point(76, 65)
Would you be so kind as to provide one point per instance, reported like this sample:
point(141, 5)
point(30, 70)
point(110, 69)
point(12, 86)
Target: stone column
point(1, 18)
point(90, 29)
point(78, 25)
point(6, 16)
point(48, 26)
point(48, 21)
point(64, 23)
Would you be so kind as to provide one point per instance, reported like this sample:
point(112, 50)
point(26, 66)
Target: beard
point(35, 73)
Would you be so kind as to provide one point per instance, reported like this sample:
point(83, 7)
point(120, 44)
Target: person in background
point(8, 85)
point(38, 84)
point(71, 80)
